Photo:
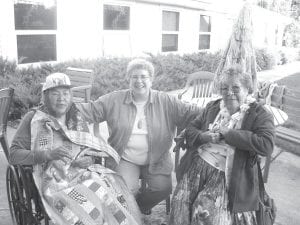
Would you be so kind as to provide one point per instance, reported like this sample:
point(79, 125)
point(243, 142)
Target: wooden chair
point(82, 80)
point(200, 83)
point(6, 96)
point(198, 90)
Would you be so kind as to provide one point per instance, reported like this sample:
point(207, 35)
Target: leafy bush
point(291, 36)
point(264, 59)
point(110, 74)
point(172, 70)
point(288, 55)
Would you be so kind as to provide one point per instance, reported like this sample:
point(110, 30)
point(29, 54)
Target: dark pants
point(159, 187)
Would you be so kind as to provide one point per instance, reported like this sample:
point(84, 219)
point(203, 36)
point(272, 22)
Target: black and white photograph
point(149, 112)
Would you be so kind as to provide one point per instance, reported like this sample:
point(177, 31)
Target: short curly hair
point(140, 64)
point(237, 72)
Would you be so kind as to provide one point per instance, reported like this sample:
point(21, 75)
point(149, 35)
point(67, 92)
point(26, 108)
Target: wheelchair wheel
point(15, 196)
point(35, 212)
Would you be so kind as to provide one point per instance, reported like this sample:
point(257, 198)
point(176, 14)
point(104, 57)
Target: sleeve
point(20, 150)
point(195, 129)
point(260, 139)
point(95, 111)
point(183, 113)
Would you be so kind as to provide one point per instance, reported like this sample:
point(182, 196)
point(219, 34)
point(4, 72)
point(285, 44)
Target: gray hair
point(237, 72)
point(140, 64)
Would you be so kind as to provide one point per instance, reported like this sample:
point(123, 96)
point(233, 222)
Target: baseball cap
point(56, 80)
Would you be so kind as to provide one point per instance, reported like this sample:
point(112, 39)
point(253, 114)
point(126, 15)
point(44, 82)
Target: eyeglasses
point(139, 77)
point(234, 90)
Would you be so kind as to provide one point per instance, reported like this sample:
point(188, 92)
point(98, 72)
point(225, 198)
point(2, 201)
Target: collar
point(129, 100)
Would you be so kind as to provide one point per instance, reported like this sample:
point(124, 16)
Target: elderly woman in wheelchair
point(73, 185)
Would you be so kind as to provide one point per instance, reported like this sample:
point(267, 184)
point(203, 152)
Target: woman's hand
point(83, 162)
point(58, 153)
point(211, 137)
point(223, 131)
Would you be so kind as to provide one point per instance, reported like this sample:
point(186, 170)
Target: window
point(170, 30)
point(36, 48)
point(116, 17)
point(35, 25)
point(204, 32)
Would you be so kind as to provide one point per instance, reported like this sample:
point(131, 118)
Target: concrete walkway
point(284, 178)
point(279, 72)
point(283, 185)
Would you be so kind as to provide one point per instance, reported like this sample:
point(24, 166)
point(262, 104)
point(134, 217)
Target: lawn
point(291, 82)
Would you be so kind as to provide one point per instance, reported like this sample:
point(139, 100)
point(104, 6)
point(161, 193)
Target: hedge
point(110, 74)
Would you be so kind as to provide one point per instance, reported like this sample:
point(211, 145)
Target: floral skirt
point(200, 198)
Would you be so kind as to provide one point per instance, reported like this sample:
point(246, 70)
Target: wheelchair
point(24, 202)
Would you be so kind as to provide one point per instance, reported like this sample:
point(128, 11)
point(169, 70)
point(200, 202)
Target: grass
point(292, 82)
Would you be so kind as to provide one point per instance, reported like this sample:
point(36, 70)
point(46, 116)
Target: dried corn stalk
point(239, 50)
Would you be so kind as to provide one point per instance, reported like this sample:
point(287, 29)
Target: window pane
point(204, 23)
point(36, 48)
point(35, 15)
point(169, 42)
point(204, 41)
point(116, 17)
point(170, 21)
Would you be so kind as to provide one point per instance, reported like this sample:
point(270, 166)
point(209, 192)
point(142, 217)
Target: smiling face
point(58, 101)
point(140, 83)
point(233, 92)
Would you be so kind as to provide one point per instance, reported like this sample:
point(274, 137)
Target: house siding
point(80, 31)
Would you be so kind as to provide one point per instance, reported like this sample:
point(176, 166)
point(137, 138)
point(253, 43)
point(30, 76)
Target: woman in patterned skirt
point(218, 175)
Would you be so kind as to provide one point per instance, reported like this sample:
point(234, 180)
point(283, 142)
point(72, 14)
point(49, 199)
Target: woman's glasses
point(139, 77)
point(234, 90)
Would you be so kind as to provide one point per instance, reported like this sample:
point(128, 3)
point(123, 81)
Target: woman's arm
point(20, 152)
point(182, 113)
point(259, 140)
point(196, 133)
point(95, 111)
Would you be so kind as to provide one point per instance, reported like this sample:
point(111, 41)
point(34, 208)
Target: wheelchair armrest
point(26, 168)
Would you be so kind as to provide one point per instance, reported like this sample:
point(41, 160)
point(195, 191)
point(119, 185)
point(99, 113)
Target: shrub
point(7, 66)
point(291, 36)
point(172, 70)
point(264, 59)
point(110, 74)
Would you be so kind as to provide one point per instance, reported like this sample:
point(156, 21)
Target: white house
point(57, 30)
